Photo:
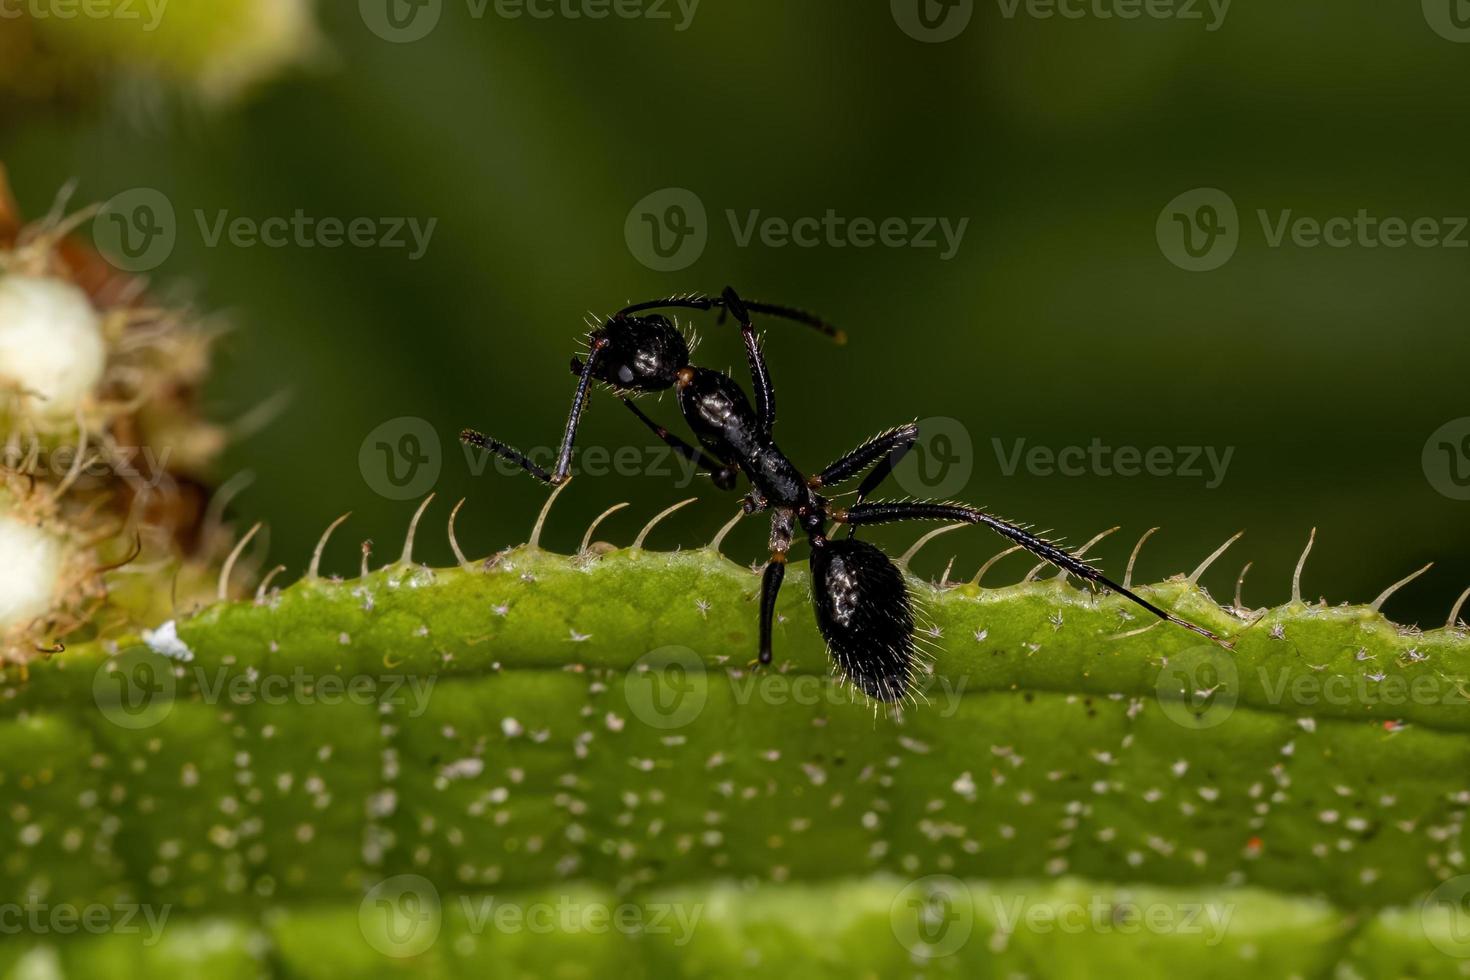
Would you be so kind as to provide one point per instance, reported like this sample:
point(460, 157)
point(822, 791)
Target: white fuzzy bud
point(30, 568)
point(51, 342)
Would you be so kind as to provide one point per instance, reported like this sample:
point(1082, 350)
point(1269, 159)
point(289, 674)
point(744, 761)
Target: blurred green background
point(1060, 320)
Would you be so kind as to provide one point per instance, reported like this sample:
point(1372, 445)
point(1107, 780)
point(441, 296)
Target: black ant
point(862, 603)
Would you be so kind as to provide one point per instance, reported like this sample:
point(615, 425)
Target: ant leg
point(906, 437)
point(481, 441)
point(559, 474)
point(770, 588)
point(574, 418)
point(886, 449)
point(724, 476)
point(770, 309)
point(782, 529)
point(760, 375)
point(893, 444)
point(889, 513)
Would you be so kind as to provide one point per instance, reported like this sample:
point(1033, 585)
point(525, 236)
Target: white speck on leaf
point(165, 642)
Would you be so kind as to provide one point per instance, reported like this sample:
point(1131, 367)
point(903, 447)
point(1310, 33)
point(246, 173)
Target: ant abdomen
point(865, 615)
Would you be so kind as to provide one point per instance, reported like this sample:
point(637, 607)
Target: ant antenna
point(712, 303)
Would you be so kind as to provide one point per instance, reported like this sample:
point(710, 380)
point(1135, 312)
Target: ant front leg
point(783, 526)
point(724, 476)
point(920, 510)
point(561, 471)
point(760, 375)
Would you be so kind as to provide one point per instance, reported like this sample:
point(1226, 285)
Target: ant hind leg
point(919, 510)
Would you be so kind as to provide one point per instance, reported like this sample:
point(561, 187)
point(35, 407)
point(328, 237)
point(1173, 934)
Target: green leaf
point(346, 767)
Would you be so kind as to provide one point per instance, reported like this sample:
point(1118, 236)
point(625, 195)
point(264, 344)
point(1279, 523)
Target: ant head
point(639, 353)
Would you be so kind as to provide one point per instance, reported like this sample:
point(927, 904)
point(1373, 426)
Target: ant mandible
point(862, 603)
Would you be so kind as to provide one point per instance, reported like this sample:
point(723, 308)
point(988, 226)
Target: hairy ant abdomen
point(865, 615)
